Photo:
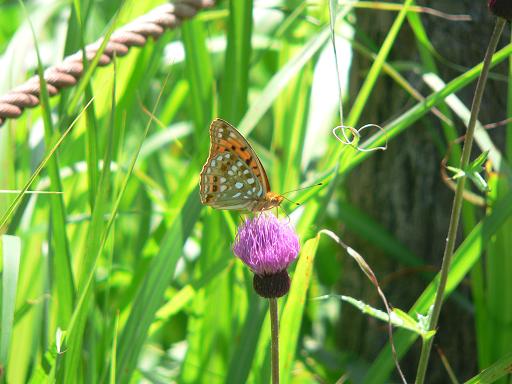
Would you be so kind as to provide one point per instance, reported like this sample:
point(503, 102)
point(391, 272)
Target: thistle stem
point(458, 199)
point(274, 330)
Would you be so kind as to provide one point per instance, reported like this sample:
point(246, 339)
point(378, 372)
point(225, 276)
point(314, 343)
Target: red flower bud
point(501, 8)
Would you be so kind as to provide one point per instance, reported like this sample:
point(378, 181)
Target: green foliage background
point(125, 277)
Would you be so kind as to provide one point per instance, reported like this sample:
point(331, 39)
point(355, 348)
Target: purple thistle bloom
point(267, 246)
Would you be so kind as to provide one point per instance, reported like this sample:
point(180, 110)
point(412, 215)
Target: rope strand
point(69, 71)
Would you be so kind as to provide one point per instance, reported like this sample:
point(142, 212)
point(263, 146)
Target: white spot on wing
point(222, 179)
point(237, 195)
point(223, 188)
point(219, 135)
point(234, 168)
point(231, 134)
point(219, 158)
point(250, 181)
point(246, 172)
point(227, 155)
point(214, 163)
point(231, 173)
point(238, 185)
point(208, 170)
point(239, 163)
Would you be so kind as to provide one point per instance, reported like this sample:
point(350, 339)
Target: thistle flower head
point(501, 8)
point(267, 246)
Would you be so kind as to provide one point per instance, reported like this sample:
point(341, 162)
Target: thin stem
point(457, 201)
point(274, 330)
point(332, 19)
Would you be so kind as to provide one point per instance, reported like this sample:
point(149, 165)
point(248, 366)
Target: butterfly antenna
point(291, 201)
point(300, 189)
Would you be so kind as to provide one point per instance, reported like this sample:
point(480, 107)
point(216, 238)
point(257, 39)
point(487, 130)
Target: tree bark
point(402, 189)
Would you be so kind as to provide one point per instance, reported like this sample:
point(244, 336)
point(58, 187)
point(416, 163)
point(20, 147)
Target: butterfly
point(233, 176)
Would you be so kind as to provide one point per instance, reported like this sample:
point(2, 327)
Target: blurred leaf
point(113, 367)
point(278, 82)
point(150, 295)
point(496, 371)
point(466, 255)
point(375, 70)
point(64, 289)
point(235, 87)
point(200, 77)
point(291, 317)
point(245, 349)
point(10, 250)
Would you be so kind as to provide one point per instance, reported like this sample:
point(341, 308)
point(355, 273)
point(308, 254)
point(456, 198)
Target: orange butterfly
point(233, 176)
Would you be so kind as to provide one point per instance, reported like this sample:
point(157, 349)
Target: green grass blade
point(406, 119)
point(151, 293)
point(136, 71)
point(102, 198)
point(200, 76)
point(64, 289)
point(279, 81)
point(376, 69)
point(10, 253)
point(174, 101)
point(493, 373)
point(79, 13)
point(213, 330)
point(16, 202)
point(233, 102)
point(293, 312)
point(161, 297)
point(112, 378)
point(464, 258)
point(97, 238)
point(91, 67)
point(185, 295)
point(482, 138)
point(428, 61)
point(245, 349)
point(508, 139)
point(496, 330)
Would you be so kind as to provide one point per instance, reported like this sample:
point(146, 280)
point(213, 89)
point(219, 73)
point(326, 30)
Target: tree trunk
point(402, 189)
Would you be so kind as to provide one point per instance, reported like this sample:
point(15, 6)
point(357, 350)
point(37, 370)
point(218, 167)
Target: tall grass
point(126, 277)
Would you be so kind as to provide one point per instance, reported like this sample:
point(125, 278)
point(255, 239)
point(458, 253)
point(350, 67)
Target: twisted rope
point(70, 70)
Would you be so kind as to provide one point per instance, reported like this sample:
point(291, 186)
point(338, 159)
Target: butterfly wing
point(233, 176)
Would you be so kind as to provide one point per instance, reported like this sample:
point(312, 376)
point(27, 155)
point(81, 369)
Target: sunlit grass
point(117, 273)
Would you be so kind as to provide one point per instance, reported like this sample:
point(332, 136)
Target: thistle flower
point(501, 8)
point(267, 246)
